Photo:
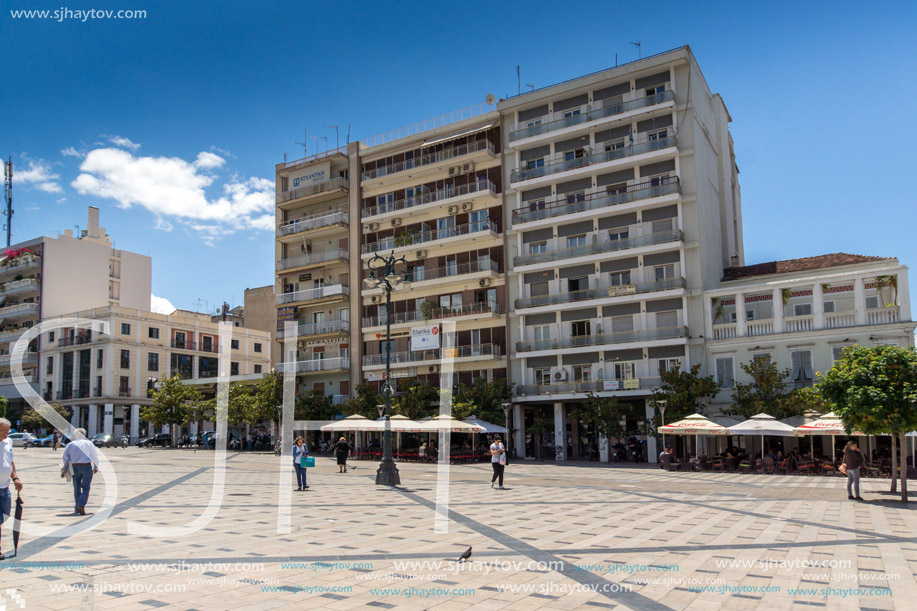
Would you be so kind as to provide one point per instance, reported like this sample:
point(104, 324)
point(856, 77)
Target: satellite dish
point(490, 99)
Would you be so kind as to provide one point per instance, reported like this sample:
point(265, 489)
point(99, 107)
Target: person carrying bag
point(301, 460)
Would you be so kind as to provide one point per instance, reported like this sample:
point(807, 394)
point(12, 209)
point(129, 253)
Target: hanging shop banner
point(425, 338)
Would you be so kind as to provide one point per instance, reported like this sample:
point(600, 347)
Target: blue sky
point(172, 124)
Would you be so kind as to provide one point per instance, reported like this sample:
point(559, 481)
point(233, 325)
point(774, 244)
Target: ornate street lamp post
point(660, 405)
point(507, 408)
point(382, 274)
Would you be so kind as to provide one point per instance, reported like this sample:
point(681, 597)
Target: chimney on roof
point(92, 227)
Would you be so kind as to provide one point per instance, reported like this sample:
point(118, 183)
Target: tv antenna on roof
point(639, 50)
point(530, 86)
point(518, 81)
point(305, 141)
point(337, 137)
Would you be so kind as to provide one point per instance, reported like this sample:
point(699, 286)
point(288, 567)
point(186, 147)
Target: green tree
point(33, 421)
point(267, 398)
point(765, 393)
point(3, 405)
point(240, 404)
point(174, 403)
point(414, 398)
point(682, 392)
point(364, 402)
point(874, 391)
point(464, 409)
point(314, 405)
point(486, 397)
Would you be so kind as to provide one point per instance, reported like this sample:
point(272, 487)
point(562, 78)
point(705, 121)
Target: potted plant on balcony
point(717, 309)
point(426, 310)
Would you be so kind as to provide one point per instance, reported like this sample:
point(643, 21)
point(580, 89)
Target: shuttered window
point(725, 371)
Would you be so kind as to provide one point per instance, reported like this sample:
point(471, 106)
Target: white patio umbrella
point(829, 424)
point(489, 427)
point(696, 425)
point(353, 423)
point(762, 424)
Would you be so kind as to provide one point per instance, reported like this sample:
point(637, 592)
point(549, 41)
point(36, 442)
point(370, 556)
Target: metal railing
point(21, 262)
point(585, 386)
point(27, 357)
point(601, 293)
point(430, 197)
point(638, 335)
point(324, 256)
point(77, 340)
point(473, 267)
point(612, 108)
point(470, 309)
point(644, 145)
point(183, 345)
point(7, 380)
point(423, 126)
point(319, 328)
point(314, 365)
point(322, 187)
point(430, 235)
point(124, 392)
point(314, 222)
point(430, 159)
point(412, 356)
point(596, 201)
point(600, 247)
point(341, 149)
point(335, 290)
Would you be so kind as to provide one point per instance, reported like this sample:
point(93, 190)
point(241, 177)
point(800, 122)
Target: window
point(533, 123)
point(535, 205)
point(98, 392)
point(654, 90)
point(125, 359)
point(571, 113)
point(837, 352)
point(581, 328)
point(417, 272)
point(152, 361)
point(207, 367)
point(531, 164)
point(661, 226)
point(658, 135)
point(575, 241)
point(667, 365)
point(582, 373)
point(179, 340)
point(51, 337)
point(765, 356)
point(802, 309)
point(181, 366)
point(725, 371)
point(749, 315)
point(541, 333)
point(538, 289)
point(666, 320)
point(617, 189)
point(574, 154)
point(234, 344)
point(125, 328)
point(872, 302)
point(233, 369)
point(257, 347)
point(477, 220)
point(153, 333)
point(625, 370)
point(830, 307)
point(100, 358)
point(578, 284)
point(621, 234)
point(50, 368)
point(536, 248)
point(123, 389)
point(613, 145)
point(802, 371)
point(664, 272)
point(572, 198)
point(542, 375)
point(620, 278)
point(257, 368)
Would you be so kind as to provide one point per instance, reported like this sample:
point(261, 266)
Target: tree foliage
point(768, 393)
point(267, 398)
point(682, 392)
point(314, 405)
point(4, 403)
point(174, 403)
point(485, 397)
point(364, 402)
point(414, 399)
point(600, 415)
point(32, 420)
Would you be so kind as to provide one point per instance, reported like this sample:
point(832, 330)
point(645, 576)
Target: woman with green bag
point(300, 459)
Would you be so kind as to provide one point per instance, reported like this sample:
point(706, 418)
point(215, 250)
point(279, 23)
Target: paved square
point(559, 537)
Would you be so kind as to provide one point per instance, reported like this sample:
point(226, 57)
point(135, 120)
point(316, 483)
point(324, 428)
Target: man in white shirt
point(7, 472)
point(497, 461)
point(83, 458)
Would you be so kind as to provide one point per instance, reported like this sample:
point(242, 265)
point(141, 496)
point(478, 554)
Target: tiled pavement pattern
point(569, 515)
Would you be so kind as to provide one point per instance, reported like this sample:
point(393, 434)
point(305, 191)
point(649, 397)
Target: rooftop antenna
point(518, 81)
point(639, 50)
point(305, 141)
point(348, 134)
point(325, 138)
point(8, 196)
point(530, 86)
point(337, 138)
point(284, 157)
point(316, 144)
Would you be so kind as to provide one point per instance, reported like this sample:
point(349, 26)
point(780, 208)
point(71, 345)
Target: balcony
point(310, 223)
point(641, 335)
point(20, 264)
point(477, 188)
point(329, 186)
point(28, 285)
point(805, 324)
point(331, 327)
point(183, 345)
point(598, 248)
point(28, 357)
point(74, 341)
point(597, 201)
point(601, 292)
point(430, 159)
point(7, 380)
point(11, 335)
point(430, 235)
point(484, 267)
point(124, 392)
point(20, 310)
point(471, 309)
point(324, 292)
point(589, 386)
point(636, 147)
point(481, 351)
point(315, 258)
point(607, 108)
point(339, 363)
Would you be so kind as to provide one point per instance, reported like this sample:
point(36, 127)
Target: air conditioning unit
point(455, 170)
point(396, 222)
point(558, 374)
point(421, 254)
point(375, 299)
point(467, 207)
point(453, 210)
point(484, 282)
point(467, 167)
point(434, 369)
point(374, 226)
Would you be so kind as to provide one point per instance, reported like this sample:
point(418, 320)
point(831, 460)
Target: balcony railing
point(803, 324)
point(7, 380)
point(600, 247)
point(74, 341)
point(322, 187)
point(587, 386)
point(597, 201)
point(21, 263)
point(10, 334)
point(437, 273)
point(19, 308)
point(608, 109)
point(27, 357)
point(430, 197)
point(458, 352)
point(184, 345)
point(124, 392)
point(881, 316)
point(430, 235)
point(319, 328)
point(601, 293)
point(335, 290)
point(324, 256)
point(313, 222)
point(18, 285)
point(640, 335)
point(430, 159)
point(314, 365)
point(436, 314)
point(644, 145)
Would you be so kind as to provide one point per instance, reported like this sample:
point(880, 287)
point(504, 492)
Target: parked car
point(47, 442)
point(23, 440)
point(159, 439)
point(107, 440)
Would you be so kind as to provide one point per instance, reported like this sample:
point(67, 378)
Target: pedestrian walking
point(83, 459)
point(56, 440)
point(7, 474)
point(853, 460)
point(341, 452)
point(498, 461)
point(300, 451)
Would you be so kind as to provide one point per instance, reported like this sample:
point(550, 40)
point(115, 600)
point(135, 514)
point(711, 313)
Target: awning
point(464, 132)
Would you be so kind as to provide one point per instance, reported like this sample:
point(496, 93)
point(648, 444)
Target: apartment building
point(801, 314)
point(435, 198)
point(622, 207)
point(105, 368)
point(49, 276)
point(313, 271)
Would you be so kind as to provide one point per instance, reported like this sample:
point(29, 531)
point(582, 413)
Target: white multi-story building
point(623, 206)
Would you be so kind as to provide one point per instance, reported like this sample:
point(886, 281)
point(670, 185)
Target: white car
point(23, 440)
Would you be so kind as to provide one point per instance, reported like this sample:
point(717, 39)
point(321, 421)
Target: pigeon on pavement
point(465, 556)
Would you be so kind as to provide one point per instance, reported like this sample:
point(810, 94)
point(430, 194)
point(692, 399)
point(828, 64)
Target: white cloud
point(161, 305)
point(174, 189)
point(40, 175)
point(122, 142)
point(70, 152)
